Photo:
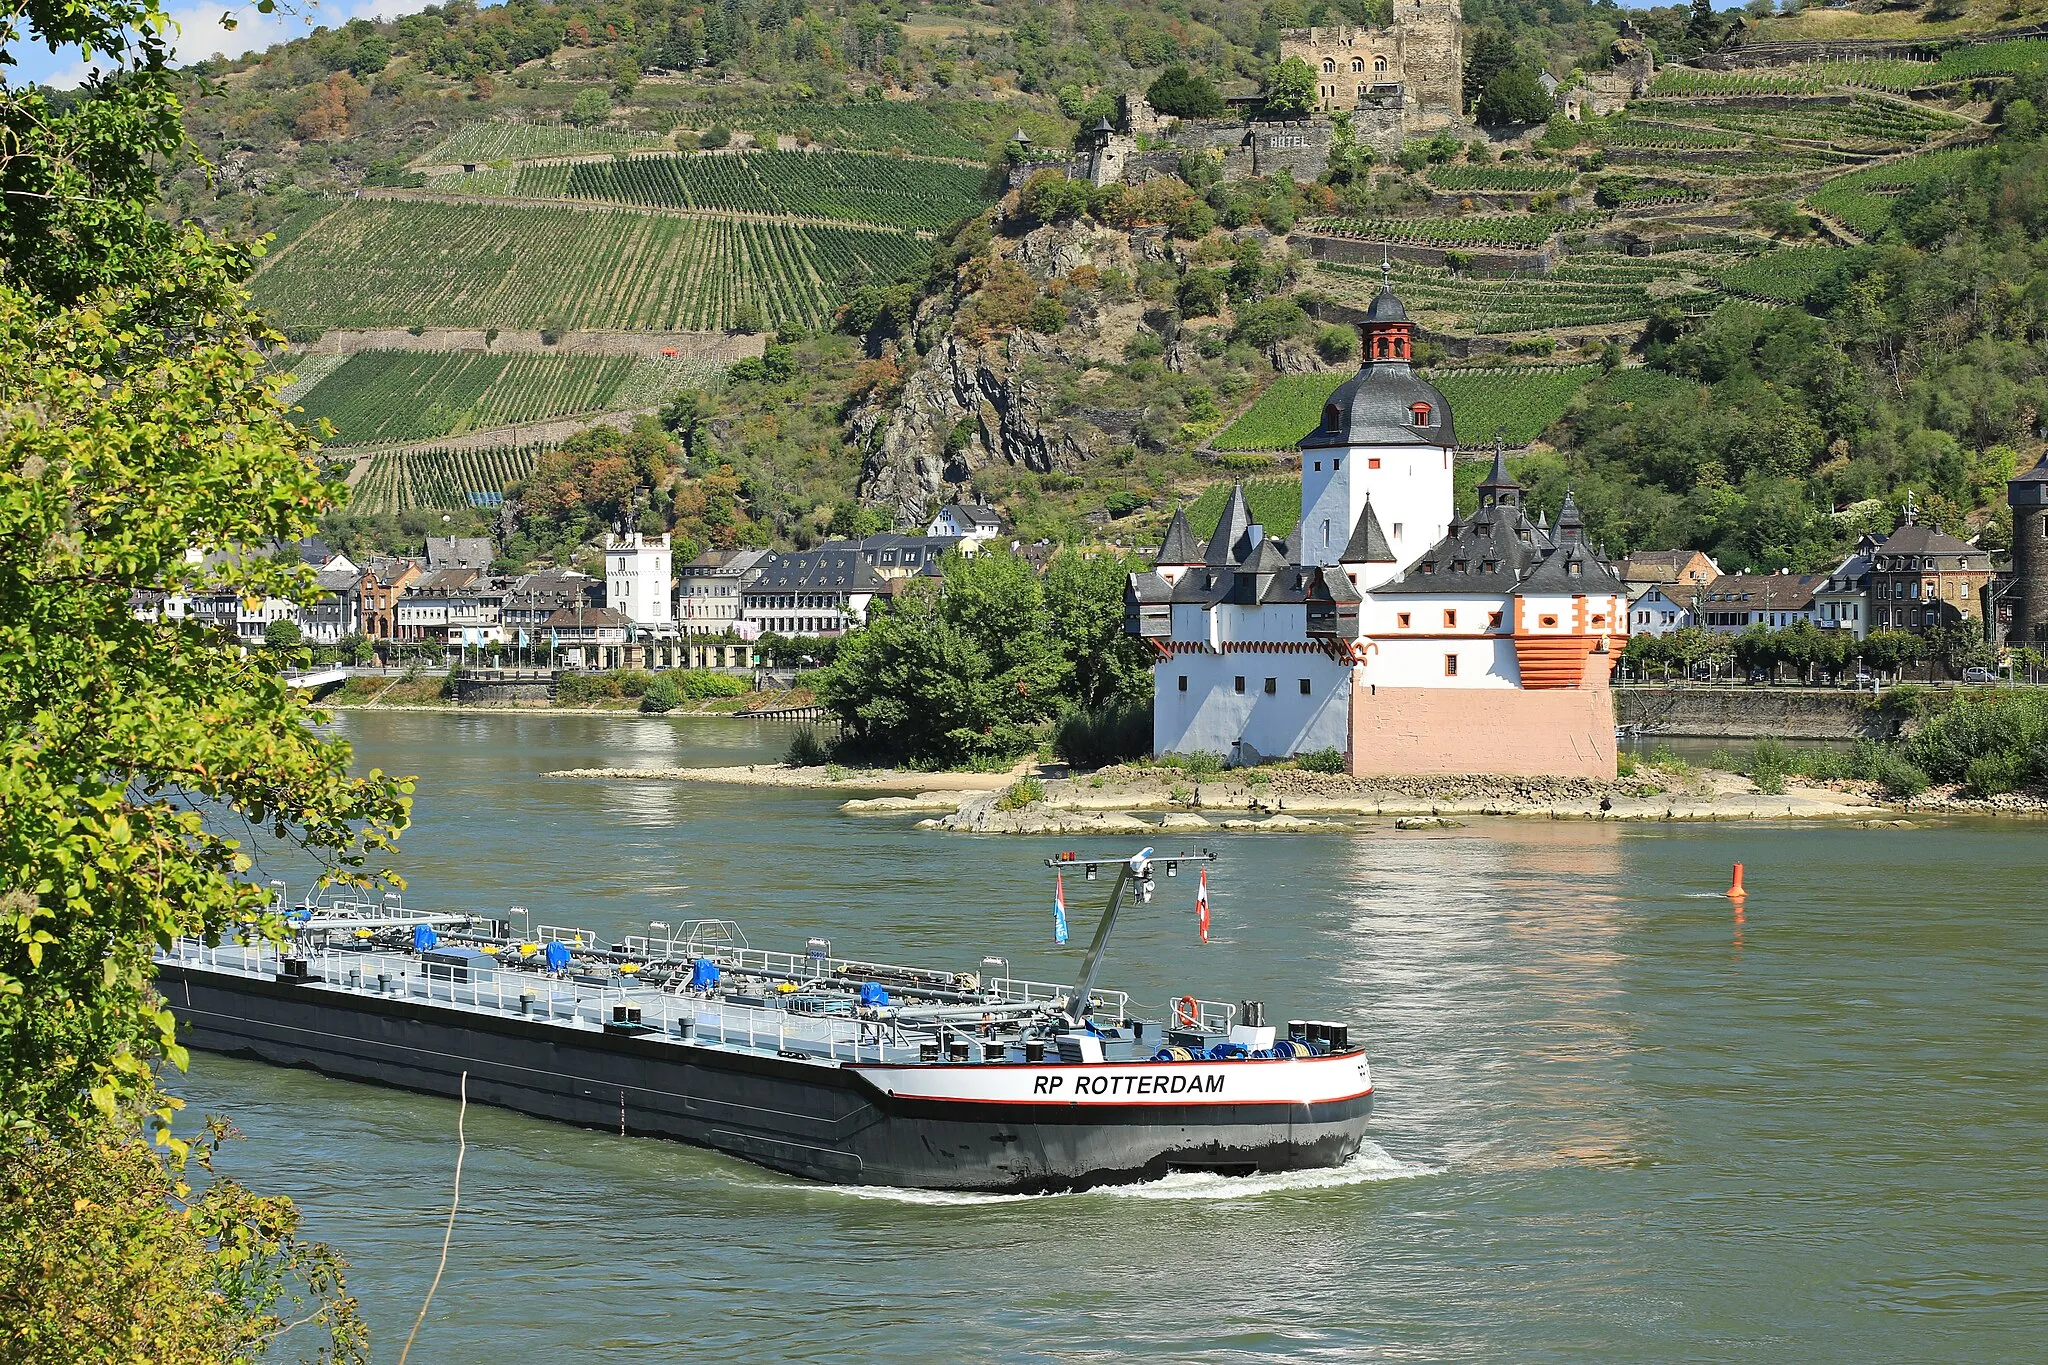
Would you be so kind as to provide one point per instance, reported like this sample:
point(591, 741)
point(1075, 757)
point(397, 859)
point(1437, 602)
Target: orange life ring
point(1187, 1013)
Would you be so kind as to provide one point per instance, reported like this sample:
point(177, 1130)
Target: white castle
point(1385, 626)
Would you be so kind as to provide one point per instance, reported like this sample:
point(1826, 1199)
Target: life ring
point(1187, 1013)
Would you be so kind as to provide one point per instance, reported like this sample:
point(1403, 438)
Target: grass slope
point(1523, 400)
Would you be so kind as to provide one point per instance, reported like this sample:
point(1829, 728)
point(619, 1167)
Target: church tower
point(2028, 497)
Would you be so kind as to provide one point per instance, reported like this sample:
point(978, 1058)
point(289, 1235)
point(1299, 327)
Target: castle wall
point(1432, 731)
point(1299, 147)
point(1422, 50)
point(1212, 716)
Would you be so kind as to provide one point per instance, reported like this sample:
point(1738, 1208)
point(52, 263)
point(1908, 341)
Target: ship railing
point(569, 934)
point(1211, 1016)
point(1109, 1006)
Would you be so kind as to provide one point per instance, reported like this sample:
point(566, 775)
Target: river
point(1615, 1120)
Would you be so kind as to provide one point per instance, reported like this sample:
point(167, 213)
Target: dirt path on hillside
point(702, 215)
point(722, 347)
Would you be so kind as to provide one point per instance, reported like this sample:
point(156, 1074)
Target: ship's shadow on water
point(1373, 1163)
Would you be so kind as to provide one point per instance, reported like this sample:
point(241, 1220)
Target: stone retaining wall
point(1751, 713)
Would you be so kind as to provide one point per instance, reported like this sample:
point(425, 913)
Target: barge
point(830, 1068)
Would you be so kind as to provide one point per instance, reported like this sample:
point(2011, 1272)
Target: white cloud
point(201, 33)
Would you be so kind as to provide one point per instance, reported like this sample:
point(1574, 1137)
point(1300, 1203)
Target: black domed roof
point(1376, 407)
point(1386, 308)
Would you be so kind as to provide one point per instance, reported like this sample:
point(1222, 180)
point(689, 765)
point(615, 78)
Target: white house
point(1658, 613)
point(1843, 601)
point(972, 525)
point(1385, 626)
point(638, 584)
point(816, 592)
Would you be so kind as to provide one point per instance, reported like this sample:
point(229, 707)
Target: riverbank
point(424, 693)
point(1288, 800)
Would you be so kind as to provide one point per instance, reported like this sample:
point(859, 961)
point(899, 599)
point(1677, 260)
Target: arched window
point(1330, 416)
point(1357, 65)
point(1329, 65)
point(1379, 64)
point(1419, 414)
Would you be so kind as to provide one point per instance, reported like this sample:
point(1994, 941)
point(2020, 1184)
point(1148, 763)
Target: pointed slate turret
point(1368, 543)
point(1178, 549)
point(1499, 487)
point(1570, 529)
point(1230, 531)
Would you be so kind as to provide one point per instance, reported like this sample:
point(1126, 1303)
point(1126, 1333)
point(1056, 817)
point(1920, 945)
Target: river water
point(1615, 1121)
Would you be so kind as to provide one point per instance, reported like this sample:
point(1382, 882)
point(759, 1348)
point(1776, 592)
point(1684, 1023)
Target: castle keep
point(1409, 74)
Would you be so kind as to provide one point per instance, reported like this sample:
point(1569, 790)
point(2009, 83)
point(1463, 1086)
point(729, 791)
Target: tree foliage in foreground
point(137, 430)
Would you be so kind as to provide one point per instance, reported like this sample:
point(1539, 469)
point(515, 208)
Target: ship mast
point(1135, 869)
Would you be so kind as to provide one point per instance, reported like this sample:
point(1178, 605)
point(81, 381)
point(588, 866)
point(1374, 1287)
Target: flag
point(1059, 908)
point(1202, 905)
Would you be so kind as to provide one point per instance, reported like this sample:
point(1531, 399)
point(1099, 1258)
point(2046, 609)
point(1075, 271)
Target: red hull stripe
point(1044, 1103)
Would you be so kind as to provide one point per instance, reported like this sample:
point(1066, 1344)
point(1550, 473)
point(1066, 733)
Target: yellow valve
point(528, 949)
point(491, 948)
point(629, 966)
point(785, 986)
point(365, 933)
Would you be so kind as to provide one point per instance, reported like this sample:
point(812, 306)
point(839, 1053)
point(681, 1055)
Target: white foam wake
point(1373, 1163)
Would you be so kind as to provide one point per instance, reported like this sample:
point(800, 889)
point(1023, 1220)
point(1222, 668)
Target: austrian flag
point(1202, 905)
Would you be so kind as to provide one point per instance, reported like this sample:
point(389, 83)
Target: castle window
point(1272, 686)
point(1363, 89)
point(1488, 565)
point(1329, 65)
point(1419, 412)
point(1183, 682)
point(1373, 462)
point(1239, 687)
point(1450, 620)
point(1429, 566)
point(1493, 620)
point(1403, 620)
point(1600, 620)
point(1379, 64)
point(1547, 622)
point(1450, 665)
point(1357, 65)
point(1397, 530)
point(1304, 687)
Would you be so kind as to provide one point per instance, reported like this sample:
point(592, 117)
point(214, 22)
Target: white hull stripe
point(1312, 1080)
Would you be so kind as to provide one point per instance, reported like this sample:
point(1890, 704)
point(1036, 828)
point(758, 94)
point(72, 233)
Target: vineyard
point(1501, 229)
point(403, 480)
point(1584, 292)
point(1862, 199)
point(499, 140)
point(1525, 401)
point(381, 396)
point(893, 126)
point(855, 186)
point(1274, 504)
point(305, 371)
point(1865, 120)
point(1792, 275)
point(1511, 179)
point(1640, 385)
point(382, 263)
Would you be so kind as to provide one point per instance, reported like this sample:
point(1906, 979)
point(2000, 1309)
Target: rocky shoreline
point(1284, 800)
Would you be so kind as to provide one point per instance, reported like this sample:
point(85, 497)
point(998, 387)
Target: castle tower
point(1386, 435)
point(2028, 497)
point(637, 582)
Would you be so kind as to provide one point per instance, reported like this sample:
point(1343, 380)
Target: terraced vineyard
point(1583, 292)
point(386, 263)
point(1501, 178)
point(1274, 503)
point(1498, 229)
point(1640, 384)
point(1863, 199)
point(416, 395)
point(403, 480)
point(1867, 120)
point(502, 140)
point(858, 187)
point(1792, 275)
point(1525, 400)
point(891, 126)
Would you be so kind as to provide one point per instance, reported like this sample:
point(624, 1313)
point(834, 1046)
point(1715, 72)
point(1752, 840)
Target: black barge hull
point(819, 1121)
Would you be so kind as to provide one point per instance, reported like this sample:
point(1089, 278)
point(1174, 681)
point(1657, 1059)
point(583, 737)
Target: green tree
point(1513, 97)
point(591, 106)
point(1085, 595)
point(1290, 90)
point(1184, 95)
point(152, 432)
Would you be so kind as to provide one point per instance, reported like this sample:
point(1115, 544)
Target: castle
point(1385, 626)
point(1409, 74)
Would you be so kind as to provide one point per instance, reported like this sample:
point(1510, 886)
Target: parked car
point(1864, 682)
point(1979, 675)
point(1759, 675)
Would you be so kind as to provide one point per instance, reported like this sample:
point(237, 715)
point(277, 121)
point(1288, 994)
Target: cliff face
point(972, 404)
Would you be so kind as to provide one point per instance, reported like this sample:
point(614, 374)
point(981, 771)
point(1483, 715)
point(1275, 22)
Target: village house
point(815, 592)
point(588, 637)
point(427, 604)
point(1921, 577)
point(382, 582)
point(1658, 612)
point(1843, 601)
point(1734, 602)
point(967, 524)
point(708, 590)
point(1682, 570)
point(1386, 626)
point(460, 552)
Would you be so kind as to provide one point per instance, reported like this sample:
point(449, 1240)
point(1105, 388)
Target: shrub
point(661, 694)
point(2010, 728)
point(1321, 761)
point(1769, 761)
point(1023, 792)
point(806, 750)
point(1200, 764)
point(1111, 734)
point(1184, 95)
point(1892, 771)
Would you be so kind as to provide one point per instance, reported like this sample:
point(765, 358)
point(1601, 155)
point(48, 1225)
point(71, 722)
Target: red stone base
point(1418, 731)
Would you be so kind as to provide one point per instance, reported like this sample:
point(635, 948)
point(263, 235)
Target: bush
point(1194, 765)
point(1111, 734)
point(1891, 770)
point(806, 750)
point(1183, 95)
point(1023, 792)
point(2008, 728)
point(1321, 761)
point(1769, 761)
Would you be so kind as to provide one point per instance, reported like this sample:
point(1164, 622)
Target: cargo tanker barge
point(831, 1068)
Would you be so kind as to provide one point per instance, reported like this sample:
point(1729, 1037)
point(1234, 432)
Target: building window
point(1600, 620)
point(1450, 620)
point(1546, 621)
point(1272, 686)
point(1402, 620)
point(1240, 686)
point(1336, 465)
point(1379, 64)
point(1304, 687)
point(1183, 682)
point(1493, 620)
point(1373, 463)
point(1450, 665)
point(1319, 466)
point(1397, 530)
point(1357, 65)
point(1329, 65)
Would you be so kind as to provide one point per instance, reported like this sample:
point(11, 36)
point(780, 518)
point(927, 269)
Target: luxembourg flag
point(1202, 905)
point(1059, 908)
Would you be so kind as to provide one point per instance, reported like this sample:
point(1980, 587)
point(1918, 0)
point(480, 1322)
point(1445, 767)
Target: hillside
point(702, 187)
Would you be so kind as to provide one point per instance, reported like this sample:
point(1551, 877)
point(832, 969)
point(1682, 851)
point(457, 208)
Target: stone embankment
point(1744, 712)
